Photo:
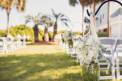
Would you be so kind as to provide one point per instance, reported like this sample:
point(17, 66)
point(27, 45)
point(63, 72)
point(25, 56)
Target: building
point(115, 17)
point(116, 23)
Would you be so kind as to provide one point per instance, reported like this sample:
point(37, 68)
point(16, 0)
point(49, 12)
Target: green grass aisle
point(41, 67)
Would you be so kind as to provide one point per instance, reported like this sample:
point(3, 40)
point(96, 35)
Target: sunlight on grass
point(55, 74)
point(41, 64)
point(15, 61)
point(47, 66)
point(35, 49)
point(20, 73)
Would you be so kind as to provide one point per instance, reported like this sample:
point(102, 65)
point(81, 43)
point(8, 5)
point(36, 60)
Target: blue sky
point(44, 6)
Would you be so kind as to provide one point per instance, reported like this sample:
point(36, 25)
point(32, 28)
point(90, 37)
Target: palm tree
point(36, 21)
point(8, 4)
point(59, 17)
point(46, 21)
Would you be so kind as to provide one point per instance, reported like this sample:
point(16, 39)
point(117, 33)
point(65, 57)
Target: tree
point(59, 17)
point(46, 21)
point(8, 4)
point(36, 21)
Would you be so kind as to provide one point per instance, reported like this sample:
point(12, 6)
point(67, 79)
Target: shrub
point(22, 30)
point(102, 34)
point(2, 33)
point(41, 35)
point(90, 75)
point(25, 30)
point(77, 33)
point(50, 35)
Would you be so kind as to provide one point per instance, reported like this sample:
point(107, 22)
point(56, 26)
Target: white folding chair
point(119, 60)
point(78, 43)
point(105, 72)
point(24, 40)
point(3, 46)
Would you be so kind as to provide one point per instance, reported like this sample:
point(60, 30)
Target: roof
point(117, 12)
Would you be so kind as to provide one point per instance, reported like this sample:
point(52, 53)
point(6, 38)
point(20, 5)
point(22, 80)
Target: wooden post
point(108, 20)
point(82, 20)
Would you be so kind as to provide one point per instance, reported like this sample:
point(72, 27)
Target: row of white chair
point(114, 49)
point(7, 44)
point(110, 64)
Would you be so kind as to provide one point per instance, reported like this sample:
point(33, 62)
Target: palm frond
point(62, 15)
point(66, 24)
point(53, 13)
point(64, 19)
point(73, 2)
point(39, 14)
point(46, 20)
point(83, 2)
point(20, 5)
point(29, 19)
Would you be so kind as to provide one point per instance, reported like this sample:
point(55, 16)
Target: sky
point(44, 6)
point(33, 7)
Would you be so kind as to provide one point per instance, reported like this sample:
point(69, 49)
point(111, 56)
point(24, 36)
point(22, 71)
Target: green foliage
point(50, 35)
point(61, 32)
point(102, 34)
point(41, 35)
point(47, 21)
point(77, 33)
point(22, 30)
point(2, 33)
point(88, 75)
point(73, 2)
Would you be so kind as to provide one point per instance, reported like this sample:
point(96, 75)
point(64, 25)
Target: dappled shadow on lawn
point(69, 77)
point(43, 67)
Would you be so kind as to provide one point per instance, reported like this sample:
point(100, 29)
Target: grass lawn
point(44, 66)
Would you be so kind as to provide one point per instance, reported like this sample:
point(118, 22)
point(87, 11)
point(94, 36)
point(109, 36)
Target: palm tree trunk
point(54, 31)
point(82, 20)
point(108, 20)
point(36, 30)
point(45, 34)
point(8, 18)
